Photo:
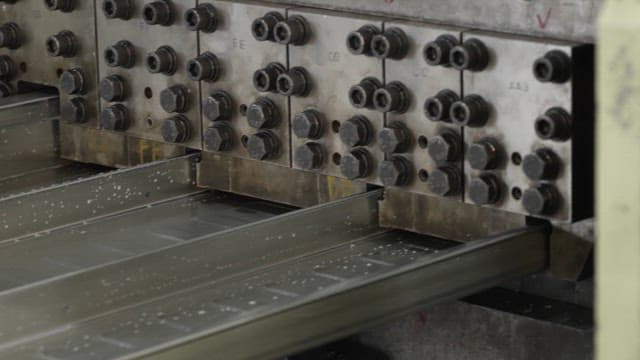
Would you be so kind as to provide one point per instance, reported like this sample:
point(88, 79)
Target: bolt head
point(309, 156)
point(441, 150)
point(355, 132)
point(218, 137)
point(484, 190)
point(175, 130)
point(482, 155)
point(354, 165)
point(262, 114)
point(217, 107)
point(173, 99)
point(262, 146)
point(391, 140)
point(444, 182)
point(394, 172)
point(306, 125)
point(74, 111)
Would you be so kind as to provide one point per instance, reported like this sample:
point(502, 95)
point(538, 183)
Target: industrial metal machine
point(197, 179)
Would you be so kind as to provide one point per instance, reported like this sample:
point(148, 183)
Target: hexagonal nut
point(74, 111)
point(356, 131)
point(484, 190)
point(174, 99)
point(176, 129)
point(440, 149)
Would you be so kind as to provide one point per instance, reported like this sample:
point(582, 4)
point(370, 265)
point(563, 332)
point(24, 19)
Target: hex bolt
point(472, 111)
point(174, 99)
point(361, 95)
point(7, 67)
point(359, 41)
point(6, 89)
point(115, 118)
point(218, 106)
point(445, 181)
point(263, 145)
point(554, 67)
point(122, 54)
point(62, 5)
point(205, 67)
point(438, 108)
point(266, 79)
point(543, 200)
point(396, 171)
point(263, 114)
point(112, 88)
point(73, 81)
point(485, 189)
point(472, 55)
point(162, 61)
point(295, 82)
point(158, 12)
point(392, 44)
point(554, 125)
point(394, 138)
point(484, 154)
point(117, 9)
point(356, 164)
point(62, 44)
point(309, 156)
point(176, 129)
point(203, 17)
point(436, 53)
point(74, 111)
point(219, 137)
point(308, 124)
point(445, 147)
point(292, 31)
point(262, 28)
point(395, 97)
point(10, 36)
point(357, 131)
point(543, 164)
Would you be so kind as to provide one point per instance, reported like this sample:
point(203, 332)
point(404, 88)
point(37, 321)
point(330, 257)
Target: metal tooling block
point(569, 19)
point(51, 43)
point(144, 47)
point(331, 134)
point(528, 115)
point(238, 119)
point(423, 137)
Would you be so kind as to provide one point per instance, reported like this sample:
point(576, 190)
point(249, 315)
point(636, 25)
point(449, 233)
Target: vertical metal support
point(618, 179)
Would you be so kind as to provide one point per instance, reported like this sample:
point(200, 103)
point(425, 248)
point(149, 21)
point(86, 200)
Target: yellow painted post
point(618, 182)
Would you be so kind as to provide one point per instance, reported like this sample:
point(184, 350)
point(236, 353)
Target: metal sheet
point(203, 260)
point(28, 139)
point(132, 233)
point(298, 303)
point(571, 20)
point(94, 197)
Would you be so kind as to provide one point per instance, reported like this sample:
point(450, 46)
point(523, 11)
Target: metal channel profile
point(97, 196)
point(570, 19)
point(132, 233)
point(27, 133)
point(52, 307)
point(297, 303)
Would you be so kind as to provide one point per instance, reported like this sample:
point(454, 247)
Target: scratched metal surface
point(568, 19)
